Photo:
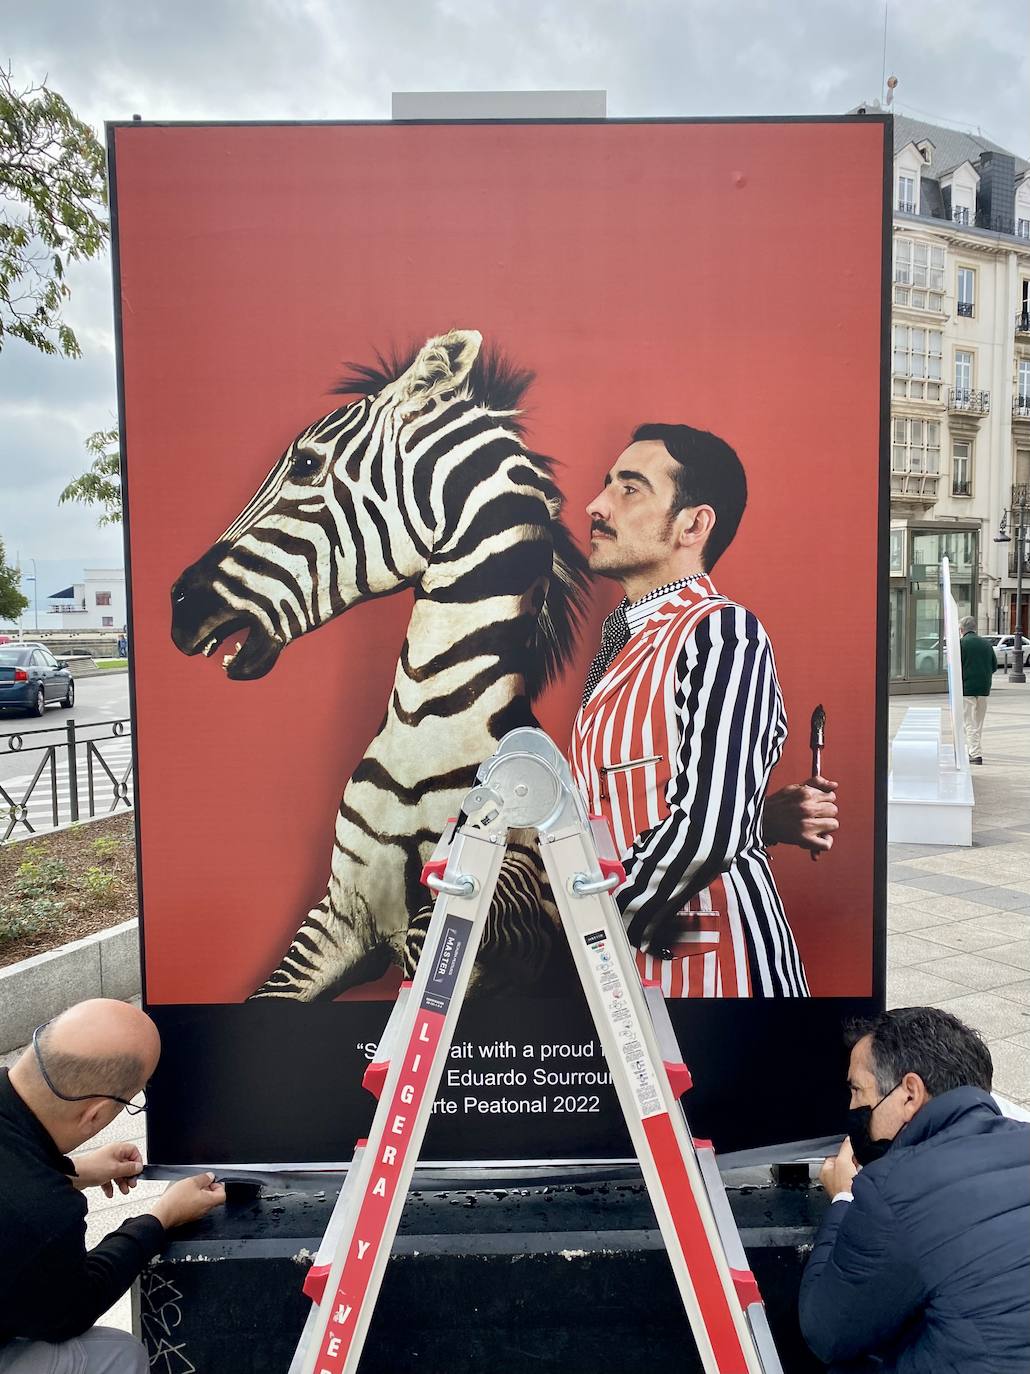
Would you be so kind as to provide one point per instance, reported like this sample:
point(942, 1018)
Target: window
point(897, 551)
point(919, 274)
point(966, 289)
point(917, 446)
point(1022, 402)
point(917, 362)
point(907, 195)
point(1023, 228)
point(961, 468)
point(106, 620)
point(960, 214)
point(963, 374)
point(103, 598)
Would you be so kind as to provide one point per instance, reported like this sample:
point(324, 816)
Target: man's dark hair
point(925, 1040)
point(708, 473)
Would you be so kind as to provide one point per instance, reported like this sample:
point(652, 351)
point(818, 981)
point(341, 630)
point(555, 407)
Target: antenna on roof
point(892, 82)
point(883, 69)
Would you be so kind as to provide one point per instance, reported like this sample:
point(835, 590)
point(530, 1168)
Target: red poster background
point(724, 275)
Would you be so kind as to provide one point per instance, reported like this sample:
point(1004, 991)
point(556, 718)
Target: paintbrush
point(817, 742)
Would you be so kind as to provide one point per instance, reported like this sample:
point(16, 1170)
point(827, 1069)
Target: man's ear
point(93, 1117)
point(695, 525)
point(916, 1095)
point(441, 365)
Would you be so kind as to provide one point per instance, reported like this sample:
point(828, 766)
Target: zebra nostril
point(179, 596)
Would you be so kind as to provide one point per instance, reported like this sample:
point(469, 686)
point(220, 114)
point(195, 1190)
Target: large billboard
point(378, 382)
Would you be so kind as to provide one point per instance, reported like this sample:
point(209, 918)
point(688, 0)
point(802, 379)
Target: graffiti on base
point(160, 1318)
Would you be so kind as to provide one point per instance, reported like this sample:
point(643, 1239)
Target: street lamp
point(1020, 517)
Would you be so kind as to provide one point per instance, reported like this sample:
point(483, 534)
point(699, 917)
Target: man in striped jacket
point(681, 724)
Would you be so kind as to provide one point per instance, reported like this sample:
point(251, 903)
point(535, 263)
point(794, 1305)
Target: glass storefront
point(916, 618)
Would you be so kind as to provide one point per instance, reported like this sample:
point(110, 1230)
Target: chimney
point(996, 198)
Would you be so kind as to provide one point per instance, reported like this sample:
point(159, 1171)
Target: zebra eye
point(305, 464)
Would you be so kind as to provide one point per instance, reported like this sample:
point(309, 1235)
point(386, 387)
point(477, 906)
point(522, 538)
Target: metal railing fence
point(73, 772)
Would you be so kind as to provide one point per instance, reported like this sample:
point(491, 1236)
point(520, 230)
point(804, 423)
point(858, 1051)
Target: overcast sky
point(323, 59)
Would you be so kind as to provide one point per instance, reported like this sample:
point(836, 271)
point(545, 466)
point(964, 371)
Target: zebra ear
point(441, 365)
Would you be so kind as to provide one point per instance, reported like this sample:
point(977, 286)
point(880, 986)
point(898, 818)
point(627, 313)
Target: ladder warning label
point(618, 1010)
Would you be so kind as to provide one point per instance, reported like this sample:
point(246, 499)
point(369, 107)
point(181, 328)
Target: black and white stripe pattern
point(423, 481)
point(731, 726)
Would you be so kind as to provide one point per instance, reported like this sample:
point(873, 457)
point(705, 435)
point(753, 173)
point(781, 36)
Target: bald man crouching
point(81, 1070)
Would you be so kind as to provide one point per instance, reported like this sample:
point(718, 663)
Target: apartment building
point(95, 603)
point(960, 386)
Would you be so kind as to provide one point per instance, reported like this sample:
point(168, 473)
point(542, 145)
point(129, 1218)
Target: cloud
point(341, 59)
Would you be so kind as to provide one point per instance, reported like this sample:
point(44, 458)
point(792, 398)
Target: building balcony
point(1021, 407)
point(906, 207)
point(1023, 321)
point(914, 488)
point(66, 608)
point(961, 488)
point(965, 309)
point(1014, 564)
point(962, 402)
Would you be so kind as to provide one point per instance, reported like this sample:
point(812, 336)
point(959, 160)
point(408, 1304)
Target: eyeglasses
point(132, 1108)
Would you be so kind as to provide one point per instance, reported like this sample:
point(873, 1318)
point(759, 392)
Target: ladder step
point(680, 1080)
point(373, 1079)
point(747, 1288)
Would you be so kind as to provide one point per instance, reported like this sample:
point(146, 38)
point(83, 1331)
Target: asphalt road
point(97, 699)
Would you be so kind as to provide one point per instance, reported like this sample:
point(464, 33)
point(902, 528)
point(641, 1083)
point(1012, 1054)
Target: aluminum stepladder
point(526, 785)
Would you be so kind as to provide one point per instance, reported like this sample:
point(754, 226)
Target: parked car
point(31, 679)
point(1004, 647)
point(930, 656)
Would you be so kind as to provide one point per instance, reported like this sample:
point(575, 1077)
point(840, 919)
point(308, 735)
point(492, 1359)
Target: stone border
point(32, 991)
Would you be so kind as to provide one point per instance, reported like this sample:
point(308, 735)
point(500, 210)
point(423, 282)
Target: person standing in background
point(978, 664)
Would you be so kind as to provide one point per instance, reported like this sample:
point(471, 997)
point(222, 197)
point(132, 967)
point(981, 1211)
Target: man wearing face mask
point(922, 1262)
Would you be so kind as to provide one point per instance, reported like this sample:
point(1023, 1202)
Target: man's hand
point(805, 814)
point(109, 1165)
point(188, 1200)
point(839, 1170)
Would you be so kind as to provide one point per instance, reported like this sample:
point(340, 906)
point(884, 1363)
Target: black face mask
point(864, 1147)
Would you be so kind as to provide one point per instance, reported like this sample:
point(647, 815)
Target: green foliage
point(101, 885)
point(12, 600)
point(32, 905)
point(52, 200)
point(105, 848)
point(100, 485)
point(38, 875)
point(29, 916)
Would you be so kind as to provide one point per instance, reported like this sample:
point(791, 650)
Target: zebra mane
point(499, 385)
point(494, 381)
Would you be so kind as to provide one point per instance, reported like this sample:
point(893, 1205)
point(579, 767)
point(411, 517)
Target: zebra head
point(363, 501)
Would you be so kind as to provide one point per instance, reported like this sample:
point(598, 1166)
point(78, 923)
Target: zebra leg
point(523, 948)
point(330, 953)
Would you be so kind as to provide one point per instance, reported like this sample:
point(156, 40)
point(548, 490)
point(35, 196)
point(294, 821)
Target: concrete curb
point(79, 673)
point(34, 990)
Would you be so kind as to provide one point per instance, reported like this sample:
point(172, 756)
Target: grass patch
point(111, 662)
point(66, 884)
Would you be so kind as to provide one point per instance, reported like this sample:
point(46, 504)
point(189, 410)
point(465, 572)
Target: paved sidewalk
point(958, 920)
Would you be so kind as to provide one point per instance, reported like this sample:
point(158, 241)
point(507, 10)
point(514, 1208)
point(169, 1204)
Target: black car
point(31, 679)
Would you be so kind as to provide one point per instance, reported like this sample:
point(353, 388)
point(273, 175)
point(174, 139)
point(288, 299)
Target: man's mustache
point(599, 527)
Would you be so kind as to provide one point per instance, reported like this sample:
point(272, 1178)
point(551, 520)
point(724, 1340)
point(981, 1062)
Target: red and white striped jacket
point(674, 748)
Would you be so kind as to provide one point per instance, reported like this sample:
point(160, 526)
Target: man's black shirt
point(51, 1288)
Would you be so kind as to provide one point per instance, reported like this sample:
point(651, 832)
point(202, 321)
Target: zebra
point(422, 480)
